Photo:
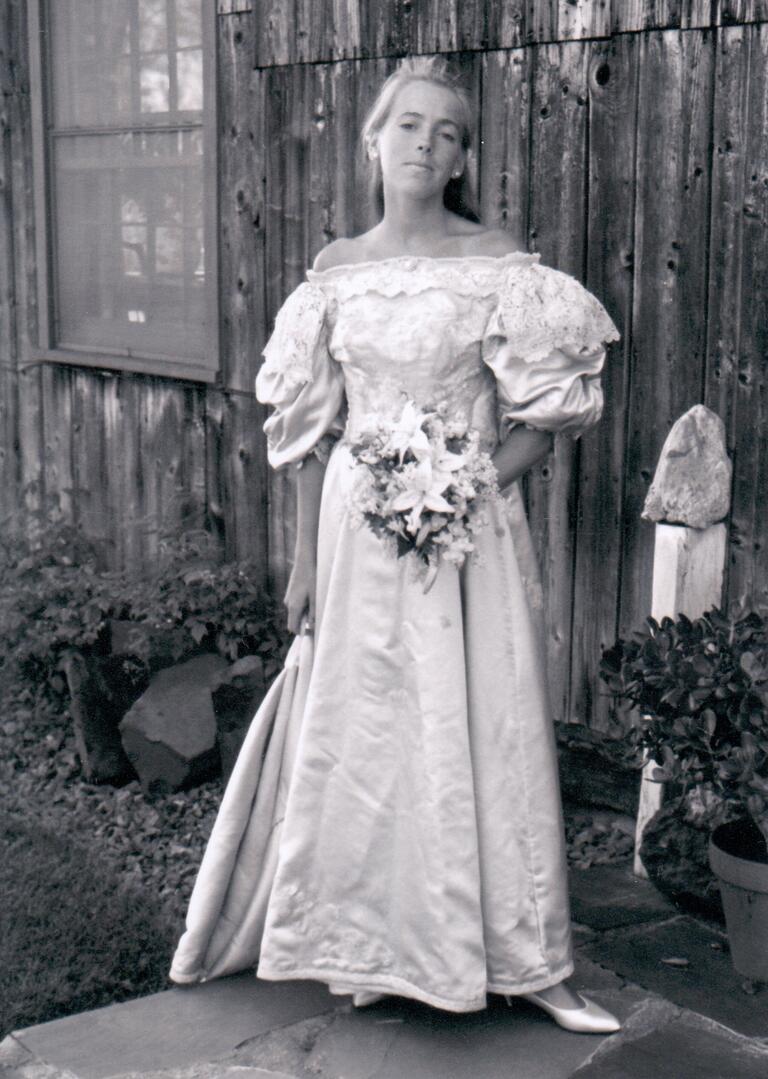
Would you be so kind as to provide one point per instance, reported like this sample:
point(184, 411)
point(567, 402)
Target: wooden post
point(687, 578)
point(692, 486)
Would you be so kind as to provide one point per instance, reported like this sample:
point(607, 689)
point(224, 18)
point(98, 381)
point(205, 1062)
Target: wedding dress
point(393, 823)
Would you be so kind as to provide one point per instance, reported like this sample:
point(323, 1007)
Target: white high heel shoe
point(361, 998)
point(590, 1018)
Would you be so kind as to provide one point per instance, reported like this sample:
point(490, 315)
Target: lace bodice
point(501, 340)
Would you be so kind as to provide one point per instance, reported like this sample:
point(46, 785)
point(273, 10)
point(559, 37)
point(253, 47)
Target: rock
point(590, 780)
point(692, 484)
point(596, 770)
point(674, 852)
point(236, 697)
point(101, 690)
point(169, 734)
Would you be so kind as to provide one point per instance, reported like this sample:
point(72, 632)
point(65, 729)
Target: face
point(420, 142)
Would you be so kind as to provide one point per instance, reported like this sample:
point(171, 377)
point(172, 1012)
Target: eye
point(407, 124)
point(449, 136)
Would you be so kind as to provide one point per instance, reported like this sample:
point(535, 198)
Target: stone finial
point(692, 485)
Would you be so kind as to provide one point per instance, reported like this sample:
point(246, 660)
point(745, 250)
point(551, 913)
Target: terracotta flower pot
point(738, 857)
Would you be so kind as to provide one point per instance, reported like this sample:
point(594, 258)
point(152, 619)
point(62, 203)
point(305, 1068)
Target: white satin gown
point(393, 822)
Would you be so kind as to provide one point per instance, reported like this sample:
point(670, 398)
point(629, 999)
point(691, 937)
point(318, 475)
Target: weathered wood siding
point(309, 31)
point(626, 140)
point(136, 458)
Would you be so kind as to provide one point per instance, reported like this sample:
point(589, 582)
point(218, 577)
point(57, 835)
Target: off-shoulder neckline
point(412, 260)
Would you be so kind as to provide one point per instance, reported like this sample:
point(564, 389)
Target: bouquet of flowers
point(419, 482)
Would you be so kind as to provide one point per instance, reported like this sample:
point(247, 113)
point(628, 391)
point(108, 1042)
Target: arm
point(519, 451)
point(300, 594)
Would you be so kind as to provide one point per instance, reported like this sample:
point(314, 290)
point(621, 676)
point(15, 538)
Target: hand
point(522, 448)
point(299, 597)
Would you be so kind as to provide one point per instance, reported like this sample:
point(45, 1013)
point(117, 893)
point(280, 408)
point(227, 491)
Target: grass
point(73, 936)
point(95, 880)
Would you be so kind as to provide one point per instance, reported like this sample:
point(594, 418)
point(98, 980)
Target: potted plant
point(701, 687)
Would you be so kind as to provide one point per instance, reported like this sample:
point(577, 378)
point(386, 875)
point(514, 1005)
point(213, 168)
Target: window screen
point(126, 159)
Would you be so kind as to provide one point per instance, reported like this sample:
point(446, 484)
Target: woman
point(404, 832)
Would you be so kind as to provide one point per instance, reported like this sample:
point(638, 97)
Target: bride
point(393, 823)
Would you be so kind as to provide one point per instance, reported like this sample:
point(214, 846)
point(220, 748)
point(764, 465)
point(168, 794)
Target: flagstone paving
point(679, 1022)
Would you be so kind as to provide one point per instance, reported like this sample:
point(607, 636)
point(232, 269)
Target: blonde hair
point(459, 195)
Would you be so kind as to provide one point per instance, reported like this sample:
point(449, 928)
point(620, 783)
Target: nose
point(425, 145)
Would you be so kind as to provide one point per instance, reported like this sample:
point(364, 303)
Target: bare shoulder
point(337, 253)
point(494, 242)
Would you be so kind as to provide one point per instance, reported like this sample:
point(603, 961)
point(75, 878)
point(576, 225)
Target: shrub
point(701, 687)
point(54, 598)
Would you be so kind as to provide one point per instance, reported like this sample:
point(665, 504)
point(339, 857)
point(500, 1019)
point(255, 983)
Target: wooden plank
point(633, 15)
point(237, 491)
point(456, 26)
point(122, 478)
point(388, 29)
point(541, 21)
point(671, 259)
point(504, 135)
point(30, 412)
point(699, 14)
point(57, 438)
point(285, 264)
point(213, 420)
point(735, 12)
point(748, 571)
point(629, 16)
point(557, 230)
point(192, 473)
point(614, 72)
point(91, 502)
point(578, 19)
point(161, 447)
point(172, 463)
point(242, 151)
point(504, 25)
point(233, 7)
point(9, 393)
point(321, 31)
point(724, 304)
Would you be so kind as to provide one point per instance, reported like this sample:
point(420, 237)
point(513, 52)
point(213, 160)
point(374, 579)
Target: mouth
point(419, 165)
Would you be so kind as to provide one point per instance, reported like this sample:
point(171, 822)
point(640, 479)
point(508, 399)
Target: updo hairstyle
point(459, 193)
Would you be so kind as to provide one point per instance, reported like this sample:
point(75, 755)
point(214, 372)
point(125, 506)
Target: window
point(125, 183)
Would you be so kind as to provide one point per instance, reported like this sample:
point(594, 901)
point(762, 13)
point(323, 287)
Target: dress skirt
point(393, 822)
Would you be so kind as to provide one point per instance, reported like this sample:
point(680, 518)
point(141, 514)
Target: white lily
point(426, 485)
point(408, 434)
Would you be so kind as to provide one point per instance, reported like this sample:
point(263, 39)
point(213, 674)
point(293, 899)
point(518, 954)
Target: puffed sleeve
point(545, 343)
point(301, 381)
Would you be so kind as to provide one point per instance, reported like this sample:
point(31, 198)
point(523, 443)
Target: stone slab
point(13, 1053)
point(207, 1071)
point(402, 1039)
point(591, 978)
point(708, 985)
point(684, 1048)
point(175, 1028)
point(609, 896)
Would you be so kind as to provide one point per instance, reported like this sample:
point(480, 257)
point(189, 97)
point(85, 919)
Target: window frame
point(207, 370)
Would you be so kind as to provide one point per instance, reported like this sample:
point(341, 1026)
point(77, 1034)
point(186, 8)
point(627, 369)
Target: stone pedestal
point(687, 579)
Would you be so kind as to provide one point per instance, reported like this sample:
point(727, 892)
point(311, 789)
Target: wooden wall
point(134, 458)
point(627, 140)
